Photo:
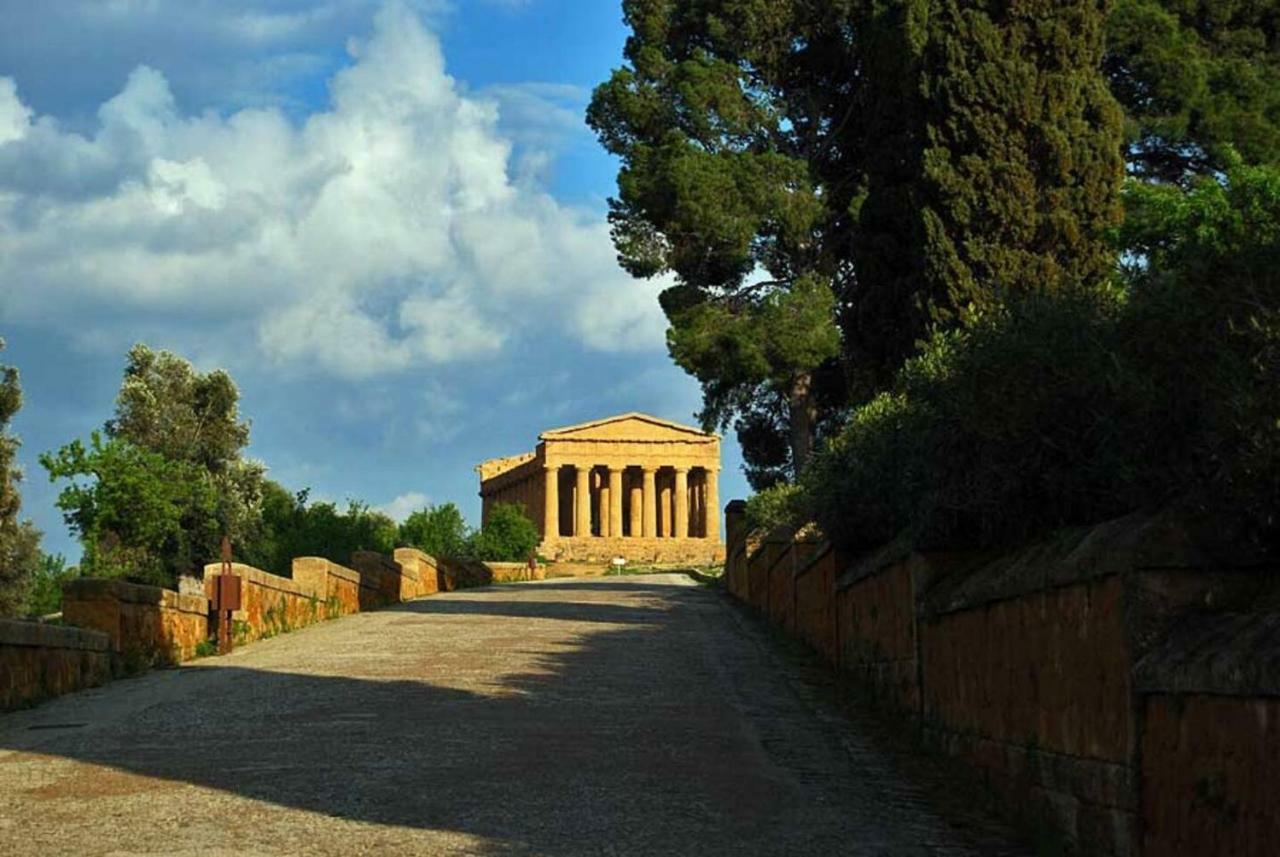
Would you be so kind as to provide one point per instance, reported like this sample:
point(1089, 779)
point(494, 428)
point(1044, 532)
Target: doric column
point(602, 506)
point(615, 502)
point(650, 503)
point(582, 503)
point(637, 509)
point(550, 502)
point(664, 513)
point(682, 503)
point(713, 505)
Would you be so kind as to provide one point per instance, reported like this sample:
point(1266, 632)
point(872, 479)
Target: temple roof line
point(558, 433)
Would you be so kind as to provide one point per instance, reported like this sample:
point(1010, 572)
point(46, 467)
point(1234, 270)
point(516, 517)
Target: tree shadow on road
point(620, 740)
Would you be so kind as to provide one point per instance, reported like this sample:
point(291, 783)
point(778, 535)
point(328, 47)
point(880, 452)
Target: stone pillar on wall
point(713, 505)
point(550, 502)
point(582, 503)
point(682, 503)
point(650, 503)
point(615, 502)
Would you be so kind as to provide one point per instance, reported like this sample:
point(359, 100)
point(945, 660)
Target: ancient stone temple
point(631, 486)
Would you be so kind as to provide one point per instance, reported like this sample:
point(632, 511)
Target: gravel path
point(608, 716)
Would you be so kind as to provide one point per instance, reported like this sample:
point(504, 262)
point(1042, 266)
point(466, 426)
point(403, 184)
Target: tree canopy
point(19, 539)
point(731, 183)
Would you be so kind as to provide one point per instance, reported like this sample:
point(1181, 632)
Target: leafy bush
point(139, 515)
point(293, 527)
point(1052, 411)
point(507, 536)
point(45, 596)
point(1012, 425)
point(435, 530)
point(773, 508)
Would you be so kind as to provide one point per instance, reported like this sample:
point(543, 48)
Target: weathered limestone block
point(337, 586)
point(40, 661)
point(269, 604)
point(145, 623)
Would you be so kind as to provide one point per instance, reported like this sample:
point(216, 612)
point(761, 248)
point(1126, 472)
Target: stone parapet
point(146, 624)
point(39, 661)
point(1113, 681)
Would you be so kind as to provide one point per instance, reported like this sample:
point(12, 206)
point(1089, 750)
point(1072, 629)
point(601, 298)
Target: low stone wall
point(692, 551)
point(381, 579)
point(420, 573)
point(40, 661)
point(336, 585)
point(145, 624)
point(876, 627)
point(1211, 736)
point(269, 604)
point(1099, 681)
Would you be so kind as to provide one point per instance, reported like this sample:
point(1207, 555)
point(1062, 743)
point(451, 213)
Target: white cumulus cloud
point(381, 233)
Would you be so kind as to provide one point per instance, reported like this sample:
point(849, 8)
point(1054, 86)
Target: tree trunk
point(803, 413)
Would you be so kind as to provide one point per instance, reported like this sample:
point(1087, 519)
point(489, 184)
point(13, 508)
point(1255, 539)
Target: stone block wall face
point(781, 590)
point(145, 623)
point(42, 661)
point(1111, 683)
point(815, 609)
point(421, 574)
point(876, 627)
point(269, 604)
point(1035, 692)
point(1211, 775)
point(663, 551)
point(380, 579)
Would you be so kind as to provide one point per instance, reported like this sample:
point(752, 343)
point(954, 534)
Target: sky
point(385, 218)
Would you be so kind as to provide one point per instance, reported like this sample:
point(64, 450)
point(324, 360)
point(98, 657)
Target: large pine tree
point(1195, 76)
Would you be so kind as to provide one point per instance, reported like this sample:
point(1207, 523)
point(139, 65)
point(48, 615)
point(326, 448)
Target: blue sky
point(385, 219)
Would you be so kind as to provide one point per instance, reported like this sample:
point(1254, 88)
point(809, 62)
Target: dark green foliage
point(1070, 409)
point(1008, 427)
point(138, 514)
point(19, 539)
point(507, 536)
point(153, 500)
point(45, 596)
point(731, 181)
point(993, 165)
point(774, 508)
point(1196, 77)
point(293, 527)
point(167, 407)
point(1205, 324)
point(436, 531)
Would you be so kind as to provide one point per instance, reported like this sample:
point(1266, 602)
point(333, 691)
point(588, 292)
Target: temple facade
point(631, 486)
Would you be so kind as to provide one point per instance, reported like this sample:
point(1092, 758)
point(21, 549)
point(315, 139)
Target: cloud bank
point(383, 233)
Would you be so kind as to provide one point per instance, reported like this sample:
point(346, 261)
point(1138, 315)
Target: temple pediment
point(629, 427)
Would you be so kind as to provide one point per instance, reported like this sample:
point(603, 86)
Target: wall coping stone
point(812, 563)
point(334, 569)
point(414, 553)
point(106, 589)
point(873, 562)
point(14, 632)
point(1228, 654)
point(261, 578)
point(1133, 543)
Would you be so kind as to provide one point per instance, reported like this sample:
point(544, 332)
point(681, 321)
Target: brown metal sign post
point(226, 597)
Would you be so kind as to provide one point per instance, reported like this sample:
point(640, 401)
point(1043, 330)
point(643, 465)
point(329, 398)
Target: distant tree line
point(965, 270)
point(151, 495)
